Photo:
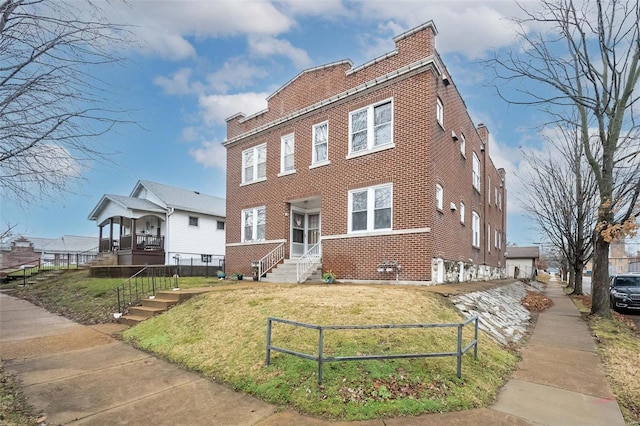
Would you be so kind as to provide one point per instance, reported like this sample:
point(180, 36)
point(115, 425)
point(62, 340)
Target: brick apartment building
point(375, 172)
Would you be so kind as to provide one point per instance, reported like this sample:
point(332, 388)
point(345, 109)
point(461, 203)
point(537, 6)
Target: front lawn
point(222, 335)
point(84, 299)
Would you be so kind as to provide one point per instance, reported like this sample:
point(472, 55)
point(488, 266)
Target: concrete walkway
point(79, 375)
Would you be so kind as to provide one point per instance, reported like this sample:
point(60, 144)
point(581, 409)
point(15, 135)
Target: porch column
point(111, 234)
point(121, 230)
point(134, 237)
point(100, 239)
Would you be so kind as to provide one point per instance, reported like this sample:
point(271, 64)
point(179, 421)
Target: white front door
point(305, 231)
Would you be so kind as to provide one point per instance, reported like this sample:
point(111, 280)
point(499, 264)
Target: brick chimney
point(483, 132)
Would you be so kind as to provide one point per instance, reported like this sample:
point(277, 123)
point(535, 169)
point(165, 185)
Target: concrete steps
point(286, 272)
point(162, 301)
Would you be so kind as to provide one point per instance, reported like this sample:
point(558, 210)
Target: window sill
point(320, 164)
point(288, 172)
point(476, 189)
point(370, 151)
point(440, 124)
point(253, 181)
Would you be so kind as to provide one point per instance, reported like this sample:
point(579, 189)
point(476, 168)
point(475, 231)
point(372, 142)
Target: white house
point(522, 261)
point(161, 224)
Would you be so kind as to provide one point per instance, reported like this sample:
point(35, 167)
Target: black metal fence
point(321, 359)
point(145, 283)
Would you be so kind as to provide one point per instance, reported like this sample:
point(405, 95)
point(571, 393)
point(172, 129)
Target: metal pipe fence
point(320, 358)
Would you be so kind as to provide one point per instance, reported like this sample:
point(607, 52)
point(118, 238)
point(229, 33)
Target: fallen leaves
point(536, 302)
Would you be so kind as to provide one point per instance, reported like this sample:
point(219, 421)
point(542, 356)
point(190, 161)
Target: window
point(370, 208)
point(439, 196)
point(254, 164)
point(462, 212)
point(500, 200)
point(475, 229)
point(253, 224)
point(287, 148)
point(371, 127)
point(489, 238)
point(489, 190)
point(463, 145)
point(476, 172)
point(440, 112)
point(496, 195)
point(220, 225)
point(193, 221)
point(320, 143)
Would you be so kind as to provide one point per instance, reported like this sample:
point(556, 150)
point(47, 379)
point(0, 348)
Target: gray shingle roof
point(184, 199)
point(134, 203)
point(513, 252)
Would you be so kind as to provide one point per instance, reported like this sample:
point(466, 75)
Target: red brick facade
point(422, 153)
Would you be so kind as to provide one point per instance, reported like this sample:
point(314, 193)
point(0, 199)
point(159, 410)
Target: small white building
point(522, 261)
point(161, 224)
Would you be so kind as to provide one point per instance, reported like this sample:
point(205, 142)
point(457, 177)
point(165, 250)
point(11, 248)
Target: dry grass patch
point(619, 346)
point(222, 335)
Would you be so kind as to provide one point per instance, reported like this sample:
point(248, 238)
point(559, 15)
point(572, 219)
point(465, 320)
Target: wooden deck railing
point(143, 242)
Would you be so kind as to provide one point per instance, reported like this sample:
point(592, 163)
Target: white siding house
point(161, 224)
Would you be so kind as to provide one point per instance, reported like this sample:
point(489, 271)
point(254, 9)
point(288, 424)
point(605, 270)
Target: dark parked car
point(624, 291)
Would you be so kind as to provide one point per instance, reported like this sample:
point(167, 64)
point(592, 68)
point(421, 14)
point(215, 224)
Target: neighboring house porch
point(160, 224)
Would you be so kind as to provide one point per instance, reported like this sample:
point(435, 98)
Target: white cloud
point(326, 8)
point(217, 108)
point(179, 83)
point(470, 28)
point(163, 27)
point(235, 73)
point(265, 46)
point(211, 154)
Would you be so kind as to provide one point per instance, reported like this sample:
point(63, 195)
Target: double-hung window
point(287, 150)
point(476, 172)
point(371, 127)
point(320, 143)
point(463, 145)
point(462, 213)
point(489, 238)
point(475, 229)
point(370, 208)
point(254, 164)
point(440, 112)
point(439, 196)
point(253, 224)
point(489, 190)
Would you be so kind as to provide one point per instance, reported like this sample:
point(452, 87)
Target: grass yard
point(222, 335)
point(619, 348)
point(84, 299)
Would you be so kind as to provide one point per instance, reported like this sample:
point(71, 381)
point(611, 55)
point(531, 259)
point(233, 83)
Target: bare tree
point(585, 57)
point(561, 196)
point(53, 108)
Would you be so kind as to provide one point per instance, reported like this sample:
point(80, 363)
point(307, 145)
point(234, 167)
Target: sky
point(196, 63)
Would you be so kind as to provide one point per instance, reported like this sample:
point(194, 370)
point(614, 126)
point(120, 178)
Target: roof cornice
point(407, 70)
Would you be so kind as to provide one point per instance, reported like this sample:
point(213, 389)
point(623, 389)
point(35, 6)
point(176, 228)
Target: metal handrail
point(307, 260)
point(144, 282)
point(321, 359)
point(270, 260)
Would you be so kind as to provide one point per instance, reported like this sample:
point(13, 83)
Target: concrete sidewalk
point(75, 374)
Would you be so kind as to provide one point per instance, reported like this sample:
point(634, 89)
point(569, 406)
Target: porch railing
point(307, 261)
point(143, 242)
point(270, 260)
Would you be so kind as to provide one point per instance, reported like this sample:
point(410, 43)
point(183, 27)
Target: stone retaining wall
point(500, 313)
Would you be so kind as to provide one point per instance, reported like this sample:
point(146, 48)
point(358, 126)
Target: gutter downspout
point(167, 261)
